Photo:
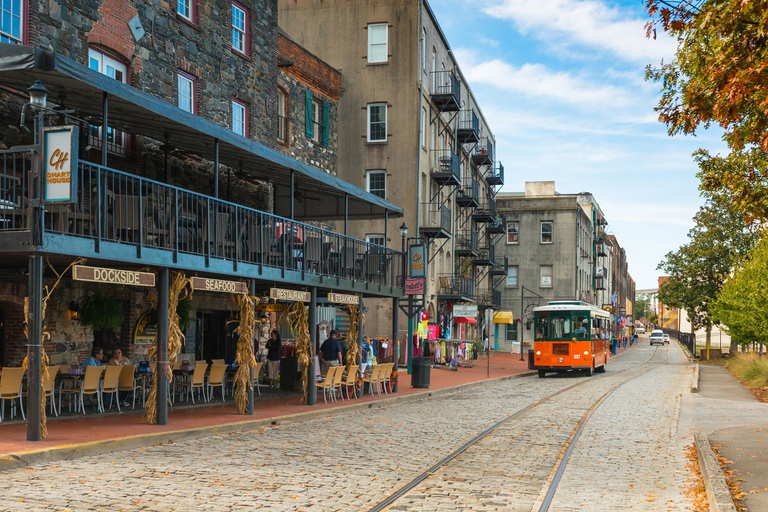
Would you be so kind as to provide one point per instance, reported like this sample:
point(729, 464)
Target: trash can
point(420, 372)
point(289, 374)
point(530, 360)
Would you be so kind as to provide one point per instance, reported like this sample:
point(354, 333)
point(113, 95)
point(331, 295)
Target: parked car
point(666, 338)
point(657, 336)
point(640, 330)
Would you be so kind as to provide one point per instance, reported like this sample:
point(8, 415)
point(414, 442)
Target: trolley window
point(580, 326)
point(560, 326)
point(542, 326)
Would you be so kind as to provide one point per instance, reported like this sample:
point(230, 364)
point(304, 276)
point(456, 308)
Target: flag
point(613, 299)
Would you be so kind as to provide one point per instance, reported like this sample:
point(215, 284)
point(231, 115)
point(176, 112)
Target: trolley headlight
point(586, 352)
point(538, 352)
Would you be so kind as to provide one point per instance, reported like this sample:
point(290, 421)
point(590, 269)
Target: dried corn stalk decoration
point(299, 319)
point(355, 322)
point(46, 336)
point(178, 289)
point(246, 332)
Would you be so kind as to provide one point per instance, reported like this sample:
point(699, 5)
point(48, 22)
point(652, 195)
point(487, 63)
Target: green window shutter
point(309, 130)
point(326, 127)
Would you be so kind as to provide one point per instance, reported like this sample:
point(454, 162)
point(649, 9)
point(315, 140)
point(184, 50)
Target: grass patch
point(750, 369)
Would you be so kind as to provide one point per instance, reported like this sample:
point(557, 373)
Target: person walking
point(330, 352)
point(274, 350)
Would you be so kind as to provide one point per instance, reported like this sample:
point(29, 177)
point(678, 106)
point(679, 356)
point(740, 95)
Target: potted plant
point(102, 313)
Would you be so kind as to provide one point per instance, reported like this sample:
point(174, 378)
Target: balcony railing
point(435, 221)
point(495, 175)
point(483, 152)
point(466, 243)
point(496, 226)
point(500, 266)
point(456, 285)
point(468, 130)
point(469, 194)
point(486, 211)
point(125, 209)
point(446, 168)
point(445, 90)
point(485, 255)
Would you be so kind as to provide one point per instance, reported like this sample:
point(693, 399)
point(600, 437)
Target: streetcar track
point(389, 500)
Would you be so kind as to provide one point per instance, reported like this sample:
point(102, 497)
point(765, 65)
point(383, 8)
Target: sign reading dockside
point(292, 295)
point(112, 275)
point(217, 285)
point(343, 298)
point(60, 164)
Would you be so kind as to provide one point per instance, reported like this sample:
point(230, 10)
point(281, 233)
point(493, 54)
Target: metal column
point(250, 388)
point(34, 343)
point(162, 347)
point(395, 342)
point(312, 321)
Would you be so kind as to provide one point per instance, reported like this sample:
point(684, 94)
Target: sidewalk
point(97, 433)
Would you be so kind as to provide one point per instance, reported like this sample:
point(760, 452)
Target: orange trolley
point(570, 335)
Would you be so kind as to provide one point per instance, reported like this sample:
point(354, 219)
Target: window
point(317, 129)
point(316, 116)
point(511, 276)
point(186, 91)
point(546, 232)
point(239, 28)
point(239, 118)
point(546, 276)
point(10, 22)
point(282, 121)
point(423, 127)
point(377, 183)
point(511, 332)
point(106, 65)
point(375, 239)
point(377, 122)
point(377, 42)
point(185, 9)
point(424, 49)
point(513, 232)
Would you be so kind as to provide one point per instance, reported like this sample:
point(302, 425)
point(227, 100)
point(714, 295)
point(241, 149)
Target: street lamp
point(38, 94)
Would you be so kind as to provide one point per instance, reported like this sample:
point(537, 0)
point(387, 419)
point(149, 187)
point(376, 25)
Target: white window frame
point(383, 107)
point(116, 70)
point(15, 32)
point(377, 44)
point(377, 239)
point(545, 276)
point(281, 98)
point(424, 125)
point(551, 231)
point(185, 87)
point(186, 9)
point(517, 232)
point(239, 33)
point(239, 118)
point(377, 191)
point(317, 118)
point(513, 269)
point(423, 49)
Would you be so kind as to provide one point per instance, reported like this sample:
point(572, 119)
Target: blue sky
point(561, 82)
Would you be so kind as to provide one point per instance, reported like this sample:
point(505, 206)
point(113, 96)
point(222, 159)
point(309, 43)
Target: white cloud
point(589, 23)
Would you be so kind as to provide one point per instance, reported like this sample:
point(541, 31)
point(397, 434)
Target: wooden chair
point(386, 376)
point(110, 384)
point(197, 383)
point(216, 378)
point(127, 384)
point(327, 383)
point(10, 389)
point(351, 380)
point(90, 385)
point(337, 382)
point(49, 387)
point(373, 378)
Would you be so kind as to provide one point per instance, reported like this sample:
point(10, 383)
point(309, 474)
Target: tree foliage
point(742, 305)
point(719, 76)
point(698, 270)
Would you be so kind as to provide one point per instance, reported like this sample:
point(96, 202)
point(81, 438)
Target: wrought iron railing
point(436, 216)
point(445, 83)
point(445, 161)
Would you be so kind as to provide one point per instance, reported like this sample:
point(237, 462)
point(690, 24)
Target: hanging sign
point(467, 311)
point(343, 298)
point(417, 261)
point(60, 164)
point(608, 308)
point(414, 286)
point(112, 276)
point(291, 295)
point(145, 330)
point(272, 308)
point(217, 285)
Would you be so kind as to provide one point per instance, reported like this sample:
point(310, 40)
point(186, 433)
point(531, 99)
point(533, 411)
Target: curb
point(718, 495)
point(71, 451)
point(695, 383)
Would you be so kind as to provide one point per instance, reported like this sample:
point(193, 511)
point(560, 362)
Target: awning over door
point(503, 317)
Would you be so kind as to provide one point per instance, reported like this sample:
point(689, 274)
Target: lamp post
point(408, 341)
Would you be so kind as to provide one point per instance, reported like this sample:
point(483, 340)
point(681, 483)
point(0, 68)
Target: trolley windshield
point(565, 326)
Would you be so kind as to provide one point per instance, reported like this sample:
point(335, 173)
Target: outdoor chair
point(373, 378)
point(351, 380)
point(110, 385)
point(89, 384)
point(127, 384)
point(337, 382)
point(197, 383)
point(218, 361)
point(256, 374)
point(10, 389)
point(49, 387)
point(327, 383)
point(216, 378)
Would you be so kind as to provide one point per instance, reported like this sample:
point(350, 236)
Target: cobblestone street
point(351, 461)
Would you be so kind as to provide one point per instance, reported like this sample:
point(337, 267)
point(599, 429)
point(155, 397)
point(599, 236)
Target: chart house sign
point(60, 157)
point(290, 295)
point(218, 285)
point(112, 276)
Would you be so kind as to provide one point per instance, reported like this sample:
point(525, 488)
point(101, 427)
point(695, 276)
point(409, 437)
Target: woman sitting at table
point(118, 359)
point(274, 350)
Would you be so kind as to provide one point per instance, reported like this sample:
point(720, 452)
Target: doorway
point(215, 338)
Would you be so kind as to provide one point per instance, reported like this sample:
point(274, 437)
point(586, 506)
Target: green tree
point(718, 77)
point(642, 306)
point(698, 270)
point(742, 305)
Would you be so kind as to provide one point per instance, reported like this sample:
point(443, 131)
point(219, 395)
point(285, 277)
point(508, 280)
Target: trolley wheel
point(588, 372)
point(600, 369)
point(542, 373)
